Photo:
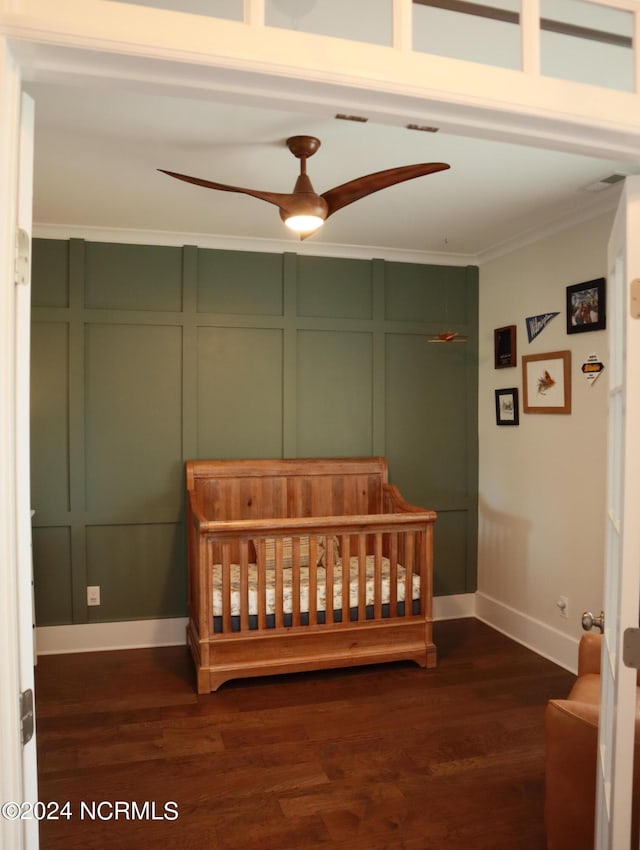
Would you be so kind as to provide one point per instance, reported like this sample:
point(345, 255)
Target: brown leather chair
point(571, 753)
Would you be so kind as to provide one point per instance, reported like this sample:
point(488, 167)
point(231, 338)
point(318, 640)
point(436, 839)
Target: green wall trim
point(144, 357)
point(77, 471)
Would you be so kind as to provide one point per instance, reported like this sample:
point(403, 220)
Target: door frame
point(507, 119)
point(18, 775)
point(614, 778)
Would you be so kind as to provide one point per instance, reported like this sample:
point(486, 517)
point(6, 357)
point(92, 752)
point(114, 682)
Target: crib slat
point(226, 587)
point(393, 574)
point(362, 577)
point(409, 565)
point(345, 555)
point(377, 576)
point(262, 585)
point(244, 585)
point(295, 582)
point(329, 562)
point(278, 584)
point(401, 561)
point(313, 581)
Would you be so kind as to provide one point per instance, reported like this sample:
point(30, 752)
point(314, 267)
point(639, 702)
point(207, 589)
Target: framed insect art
point(507, 406)
point(546, 382)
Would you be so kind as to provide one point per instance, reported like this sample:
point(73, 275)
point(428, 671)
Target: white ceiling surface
point(97, 152)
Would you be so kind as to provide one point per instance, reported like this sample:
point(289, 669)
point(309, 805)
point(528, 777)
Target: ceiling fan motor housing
point(304, 201)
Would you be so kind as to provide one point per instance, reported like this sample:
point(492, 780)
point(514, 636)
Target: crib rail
point(332, 572)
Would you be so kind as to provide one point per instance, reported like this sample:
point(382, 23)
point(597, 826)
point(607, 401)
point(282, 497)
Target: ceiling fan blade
point(359, 188)
point(280, 200)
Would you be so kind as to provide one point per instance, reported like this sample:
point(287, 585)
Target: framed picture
point(586, 307)
point(507, 406)
point(504, 347)
point(546, 382)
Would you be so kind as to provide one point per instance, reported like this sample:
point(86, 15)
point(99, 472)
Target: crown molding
point(607, 204)
point(603, 206)
point(238, 243)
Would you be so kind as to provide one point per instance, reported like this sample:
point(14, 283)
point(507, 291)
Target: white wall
point(542, 483)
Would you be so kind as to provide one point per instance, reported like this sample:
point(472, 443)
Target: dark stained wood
point(388, 757)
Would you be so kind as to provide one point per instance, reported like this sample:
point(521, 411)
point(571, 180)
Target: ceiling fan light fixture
point(304, 223)
point(303, 210)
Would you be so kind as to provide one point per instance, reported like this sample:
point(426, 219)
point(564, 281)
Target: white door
point(622, 572)
point(18, 768)
point(22, 450)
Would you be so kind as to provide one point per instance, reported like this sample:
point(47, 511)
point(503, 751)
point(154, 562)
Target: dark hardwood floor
point(390, 757)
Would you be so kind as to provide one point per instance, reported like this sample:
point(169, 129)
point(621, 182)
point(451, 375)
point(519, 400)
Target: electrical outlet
point(93, 595)
point(563, 605)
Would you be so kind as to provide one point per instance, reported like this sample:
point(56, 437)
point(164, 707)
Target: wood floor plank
point(389, 757)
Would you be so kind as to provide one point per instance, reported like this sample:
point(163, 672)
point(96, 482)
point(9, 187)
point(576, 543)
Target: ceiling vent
point(423, 128)
point(341, 116)
point(605, 182)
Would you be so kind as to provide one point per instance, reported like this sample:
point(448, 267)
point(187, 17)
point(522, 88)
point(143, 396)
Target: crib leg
point(429, 658)
point(204, 684)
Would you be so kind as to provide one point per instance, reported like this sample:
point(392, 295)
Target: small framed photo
point(546, 382)
point(586, 306)
point(504, 347)
point(507, 406)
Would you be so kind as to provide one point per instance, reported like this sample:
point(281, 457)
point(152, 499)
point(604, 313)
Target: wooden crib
point(304, 564)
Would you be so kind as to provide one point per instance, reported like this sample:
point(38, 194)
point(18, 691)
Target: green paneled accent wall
point(145, 356)
point(240, 392)
point(113, 274)
point(237, 282)
point(132, 416)
point(426, 402)
point(52, 575)
point(146, 559)
point(334, 393)
point(50, 273)
point(50, 416)
point(337, 289)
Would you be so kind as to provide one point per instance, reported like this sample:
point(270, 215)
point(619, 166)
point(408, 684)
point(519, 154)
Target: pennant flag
point(536, 324)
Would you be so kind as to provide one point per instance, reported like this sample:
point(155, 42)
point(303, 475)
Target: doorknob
point(589, 621)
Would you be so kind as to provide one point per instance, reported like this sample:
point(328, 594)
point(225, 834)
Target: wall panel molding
point(178, 353)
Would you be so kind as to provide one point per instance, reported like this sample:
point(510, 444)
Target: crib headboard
point(291, 487)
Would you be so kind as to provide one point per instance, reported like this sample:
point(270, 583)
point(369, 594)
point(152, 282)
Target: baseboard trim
point(454, 607)
point(551, 643)
point(139, 634)
point(100, 637)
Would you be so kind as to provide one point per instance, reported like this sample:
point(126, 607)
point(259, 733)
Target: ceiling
point(97, 152)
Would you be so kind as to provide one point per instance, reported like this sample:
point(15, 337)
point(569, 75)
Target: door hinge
point(634, 303)
point(26, 716)
point(23, 249)
point(631, 648)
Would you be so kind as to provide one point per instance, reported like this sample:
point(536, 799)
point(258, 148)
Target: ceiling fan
point(303, 210)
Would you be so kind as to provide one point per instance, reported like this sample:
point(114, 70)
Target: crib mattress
point(321, 596)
